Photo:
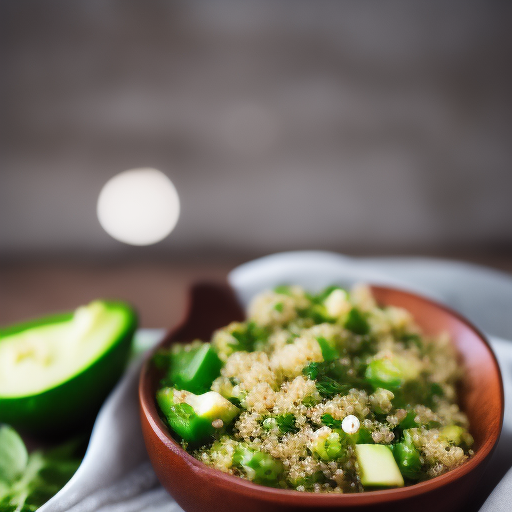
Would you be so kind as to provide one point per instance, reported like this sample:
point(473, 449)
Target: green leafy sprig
point(29, 481)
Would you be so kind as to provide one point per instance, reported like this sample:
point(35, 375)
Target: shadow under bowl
point(197, 487)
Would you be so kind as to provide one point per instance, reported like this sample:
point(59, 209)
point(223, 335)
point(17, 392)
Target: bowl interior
point(480, 395)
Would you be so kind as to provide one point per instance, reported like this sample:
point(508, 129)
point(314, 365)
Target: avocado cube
point(377, 466)
point(193, 416)
point(212, 406)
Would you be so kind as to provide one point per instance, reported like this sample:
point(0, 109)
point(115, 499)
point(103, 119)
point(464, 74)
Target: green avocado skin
point(71, 406)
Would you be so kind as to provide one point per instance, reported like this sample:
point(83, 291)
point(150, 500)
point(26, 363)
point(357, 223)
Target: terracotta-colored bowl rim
point(224, 480)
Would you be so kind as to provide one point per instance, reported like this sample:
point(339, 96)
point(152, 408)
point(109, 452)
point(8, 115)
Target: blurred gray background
point(361, 126)
point(354, 126)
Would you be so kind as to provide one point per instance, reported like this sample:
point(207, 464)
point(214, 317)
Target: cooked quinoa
point(266, 399)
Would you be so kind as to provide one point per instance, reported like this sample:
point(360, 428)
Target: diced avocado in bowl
point(56, 372)
point(377, 466)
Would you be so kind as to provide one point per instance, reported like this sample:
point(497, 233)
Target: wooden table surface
point(157, 289)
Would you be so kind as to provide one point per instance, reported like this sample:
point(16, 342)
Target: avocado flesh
point(377, 466)
point(195, 425)
point(73, 386)
point(211, 406)
point(42, 357)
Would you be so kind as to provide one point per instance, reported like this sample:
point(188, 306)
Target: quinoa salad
point(320, 393)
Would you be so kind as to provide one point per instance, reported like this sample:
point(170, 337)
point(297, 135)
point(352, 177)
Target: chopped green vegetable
point(309, 481)
point(356, 322)
point(269, 423)
point(284, 422)
point(260, 467)
point(383, 373)
point(194, 418)
point(182, 418)
point(377, 467)
point(408, 459)
point(329, 446)
point(413, 340)
point(456, 435)
point(362, 436)
point(194, 370)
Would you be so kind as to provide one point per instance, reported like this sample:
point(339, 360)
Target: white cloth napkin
point(116, 476)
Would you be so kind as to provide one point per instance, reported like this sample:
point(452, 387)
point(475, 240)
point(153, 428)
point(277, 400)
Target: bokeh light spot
point(139, 206)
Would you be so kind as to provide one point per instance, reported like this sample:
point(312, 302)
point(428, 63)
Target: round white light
point(139, 206)
point(350, 424)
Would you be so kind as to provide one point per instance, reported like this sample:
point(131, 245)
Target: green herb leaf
point(310, 371)
point(332, 378)
point(356, 322)
point(43, 475)
point(286, 423)
point(328, 387)
point(329, 353)
point(247, 336)
point(329, 421)
point(13, 454)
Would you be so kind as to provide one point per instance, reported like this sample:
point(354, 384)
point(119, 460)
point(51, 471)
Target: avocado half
point(56, 372)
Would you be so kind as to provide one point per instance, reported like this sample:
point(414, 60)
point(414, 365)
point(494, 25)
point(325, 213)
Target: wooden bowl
point(197, 487)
